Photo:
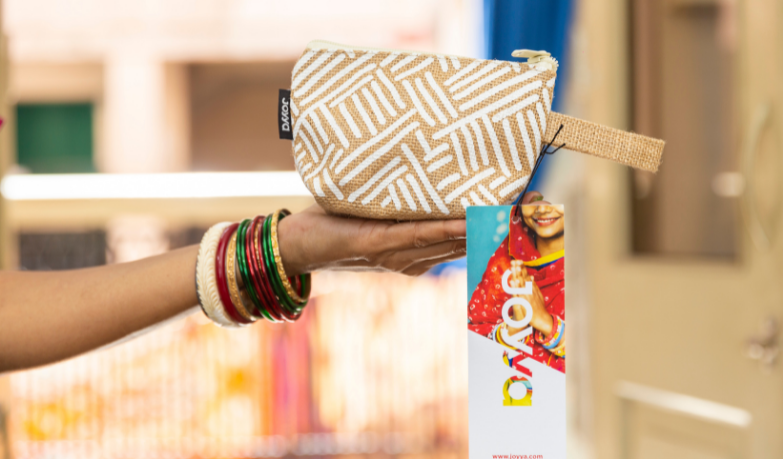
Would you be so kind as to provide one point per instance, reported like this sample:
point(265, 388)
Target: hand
point(312, 240)
point(541, 320)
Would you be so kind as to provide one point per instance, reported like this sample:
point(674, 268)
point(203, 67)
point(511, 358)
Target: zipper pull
point(540, 60)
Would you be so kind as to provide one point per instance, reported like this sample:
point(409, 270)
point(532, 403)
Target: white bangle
point(206, 281)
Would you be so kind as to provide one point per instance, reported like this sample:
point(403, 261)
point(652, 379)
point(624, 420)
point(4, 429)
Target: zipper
point(540, 60)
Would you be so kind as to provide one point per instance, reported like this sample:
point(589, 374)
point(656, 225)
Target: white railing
point(38, 202)
point(46, 187)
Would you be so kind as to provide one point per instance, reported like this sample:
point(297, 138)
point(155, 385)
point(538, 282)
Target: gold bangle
point(231, 277)
point(279, 260)
point(499, 338)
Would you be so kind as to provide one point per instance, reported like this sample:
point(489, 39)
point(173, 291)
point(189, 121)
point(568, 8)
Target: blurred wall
point(5, 161)
point(177, 85)
point(5, 146)
point(234, 116)
point(180, 85)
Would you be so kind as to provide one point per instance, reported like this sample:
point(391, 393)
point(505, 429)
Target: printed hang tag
point(516, 331)
point(284, 115)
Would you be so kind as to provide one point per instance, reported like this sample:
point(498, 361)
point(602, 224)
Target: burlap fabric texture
point(407, 136)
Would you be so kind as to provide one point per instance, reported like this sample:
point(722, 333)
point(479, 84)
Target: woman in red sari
point(534, 251)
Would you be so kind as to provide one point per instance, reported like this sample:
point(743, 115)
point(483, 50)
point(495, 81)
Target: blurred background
point(131, 127)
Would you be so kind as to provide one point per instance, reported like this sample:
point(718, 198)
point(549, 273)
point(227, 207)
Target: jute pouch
point(402, 135)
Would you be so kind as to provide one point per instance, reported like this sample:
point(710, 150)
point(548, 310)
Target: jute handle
point(627, 148)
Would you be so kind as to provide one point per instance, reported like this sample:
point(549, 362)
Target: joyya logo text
point(284, 115)
point(524, 377)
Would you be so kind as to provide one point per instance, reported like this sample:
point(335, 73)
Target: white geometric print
point(415, 136)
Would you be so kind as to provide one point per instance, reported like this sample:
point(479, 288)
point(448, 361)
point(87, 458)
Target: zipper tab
point(541, 60)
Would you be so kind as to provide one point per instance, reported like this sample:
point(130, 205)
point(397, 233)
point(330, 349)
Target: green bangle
point(285, 300)
point(304, 279)
point(289, 288)
point(303, 295)
point(244, 269)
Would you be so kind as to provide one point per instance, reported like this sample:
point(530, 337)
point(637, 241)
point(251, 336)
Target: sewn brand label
point(516, 332)
point(284, 115)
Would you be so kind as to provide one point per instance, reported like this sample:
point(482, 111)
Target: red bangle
point(258, 260)
point(255, 275)
point(220, 274)
point(264, 276)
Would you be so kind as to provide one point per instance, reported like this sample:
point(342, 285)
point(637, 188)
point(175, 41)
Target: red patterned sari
point(484, 310)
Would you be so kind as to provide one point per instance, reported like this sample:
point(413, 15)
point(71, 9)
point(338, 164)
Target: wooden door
point(683, 329)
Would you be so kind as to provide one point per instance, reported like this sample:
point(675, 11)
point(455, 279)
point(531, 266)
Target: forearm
point(542, 322)
point(51, 316)
point(46, 317)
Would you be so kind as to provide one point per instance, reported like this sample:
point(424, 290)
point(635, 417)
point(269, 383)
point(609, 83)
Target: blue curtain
point(530, 24)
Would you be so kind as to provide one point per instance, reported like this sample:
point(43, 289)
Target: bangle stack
point(554, 342)
point(240, 276)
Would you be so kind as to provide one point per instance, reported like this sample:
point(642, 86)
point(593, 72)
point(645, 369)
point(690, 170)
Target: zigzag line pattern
point(415, 136)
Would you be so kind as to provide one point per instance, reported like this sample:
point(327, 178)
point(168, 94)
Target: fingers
point(533, 198)
point(518, 274)
point(312, 240)
point(420, 268)
point(408, 265)
point(404, 259)
point(401, 236)
point(519, 312)
point(526, 277)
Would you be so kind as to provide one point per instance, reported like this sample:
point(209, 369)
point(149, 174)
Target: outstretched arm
point(50, 316)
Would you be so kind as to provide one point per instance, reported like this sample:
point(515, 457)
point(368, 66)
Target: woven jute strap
point(627, 148)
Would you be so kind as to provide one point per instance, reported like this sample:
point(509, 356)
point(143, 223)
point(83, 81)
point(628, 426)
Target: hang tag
point(516, 332)
point(284, 124)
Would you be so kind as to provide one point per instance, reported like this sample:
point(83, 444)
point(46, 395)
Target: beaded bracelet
point(245, 280)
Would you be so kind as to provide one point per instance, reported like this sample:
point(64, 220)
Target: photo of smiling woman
point(533, 252)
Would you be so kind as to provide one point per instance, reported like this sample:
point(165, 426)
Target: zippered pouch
point(388, 134)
